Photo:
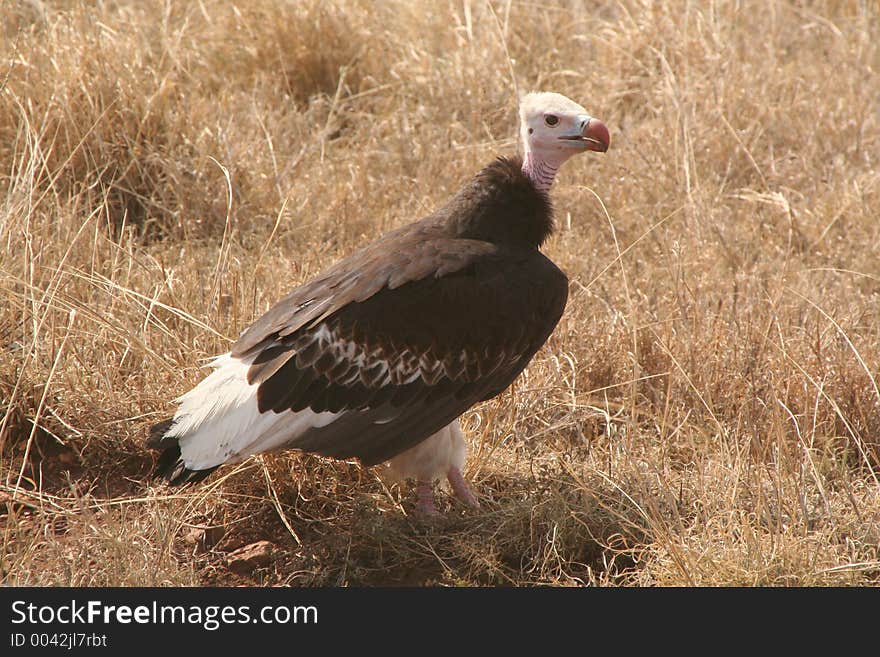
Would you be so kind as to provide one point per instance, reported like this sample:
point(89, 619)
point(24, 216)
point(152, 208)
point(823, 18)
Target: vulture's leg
point(440, 455)
point(461, 489)
point(425, 493)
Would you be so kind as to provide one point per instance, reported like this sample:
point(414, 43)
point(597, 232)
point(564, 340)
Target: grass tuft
point(706, 413)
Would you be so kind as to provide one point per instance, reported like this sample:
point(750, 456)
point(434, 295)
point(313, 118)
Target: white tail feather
point(219, 422)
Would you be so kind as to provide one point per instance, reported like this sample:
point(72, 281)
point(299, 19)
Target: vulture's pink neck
point(540, 171)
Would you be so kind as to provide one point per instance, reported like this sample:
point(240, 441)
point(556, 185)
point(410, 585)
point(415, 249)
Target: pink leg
point(425, 493)
point(461, 489)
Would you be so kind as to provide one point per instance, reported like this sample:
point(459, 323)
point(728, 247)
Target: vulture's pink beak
point(596, 136)
point(590, 132)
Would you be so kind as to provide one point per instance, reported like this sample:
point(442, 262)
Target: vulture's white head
point(553, 128)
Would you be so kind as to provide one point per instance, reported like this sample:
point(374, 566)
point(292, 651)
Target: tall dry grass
point(706, 413)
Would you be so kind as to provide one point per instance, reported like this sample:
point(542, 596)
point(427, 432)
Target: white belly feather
point(432, 458)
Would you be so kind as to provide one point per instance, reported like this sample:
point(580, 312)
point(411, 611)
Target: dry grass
point(707, 412)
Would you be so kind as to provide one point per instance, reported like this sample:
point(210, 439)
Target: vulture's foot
point(425, 505)
point(461, 489)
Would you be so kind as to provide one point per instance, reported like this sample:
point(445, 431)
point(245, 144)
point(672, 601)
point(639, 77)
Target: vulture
point(378, 356)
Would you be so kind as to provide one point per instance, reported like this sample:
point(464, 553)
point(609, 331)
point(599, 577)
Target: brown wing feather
point(407, 360)
point(413, 252)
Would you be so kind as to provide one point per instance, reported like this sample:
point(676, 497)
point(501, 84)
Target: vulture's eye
point(551, 119)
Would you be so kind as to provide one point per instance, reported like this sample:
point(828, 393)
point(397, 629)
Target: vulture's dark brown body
point(406, 334)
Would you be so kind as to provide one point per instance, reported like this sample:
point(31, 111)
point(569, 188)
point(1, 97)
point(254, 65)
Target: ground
point(706, 413)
